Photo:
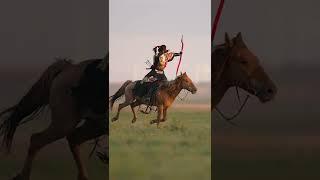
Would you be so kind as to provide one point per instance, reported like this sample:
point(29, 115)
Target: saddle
point(141, 88)
point(147, 90)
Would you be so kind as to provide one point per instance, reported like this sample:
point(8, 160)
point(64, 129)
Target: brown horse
point(55, 90)
point(234, 65)
point(165, 96)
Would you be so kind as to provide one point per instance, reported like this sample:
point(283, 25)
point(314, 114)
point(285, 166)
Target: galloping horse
point(165, 96)
point(61, 88)
point(234, 65)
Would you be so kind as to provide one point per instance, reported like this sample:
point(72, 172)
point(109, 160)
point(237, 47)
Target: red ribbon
point(216, 20)
point(180, 56)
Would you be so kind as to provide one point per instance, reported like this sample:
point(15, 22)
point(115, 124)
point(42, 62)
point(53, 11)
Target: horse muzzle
point(193, 90)
point(266, 92)
point(266, 95)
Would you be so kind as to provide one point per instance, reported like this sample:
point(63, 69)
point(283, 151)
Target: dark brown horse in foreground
point(55, 89)
point(234, 65)
point(164, 97)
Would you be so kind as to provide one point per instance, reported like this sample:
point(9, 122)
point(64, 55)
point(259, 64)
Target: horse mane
point(170, 85)
point(218, 61)
point(104, 65)
point(31, 104)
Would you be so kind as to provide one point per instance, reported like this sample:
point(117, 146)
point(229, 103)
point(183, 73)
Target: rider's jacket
point(161, 60)
point(164, 59)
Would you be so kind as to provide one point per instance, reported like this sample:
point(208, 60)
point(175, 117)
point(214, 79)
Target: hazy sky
point(33, 32)
point(137, 26)
point(279, 32)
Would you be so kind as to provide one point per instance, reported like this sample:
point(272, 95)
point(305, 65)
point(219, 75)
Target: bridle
point(185, 95)
point(225, 117)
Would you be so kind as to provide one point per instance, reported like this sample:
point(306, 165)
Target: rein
point(229, 119)
point(184, 97)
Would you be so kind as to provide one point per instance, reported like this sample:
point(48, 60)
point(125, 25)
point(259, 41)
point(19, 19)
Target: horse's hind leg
point(89, 130)
point(133, 105)
point(63, 121)
point(129, 98)
point(122, 105)
point(37, 141)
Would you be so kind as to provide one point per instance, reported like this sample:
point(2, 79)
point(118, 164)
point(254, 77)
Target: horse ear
point(239, 36)
point(180, 73)
point(227, 40)
point(239, 39)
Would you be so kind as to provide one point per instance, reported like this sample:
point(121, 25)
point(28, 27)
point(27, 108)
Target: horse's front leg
point(159, 116)
point(160, 113)
point(164, 114)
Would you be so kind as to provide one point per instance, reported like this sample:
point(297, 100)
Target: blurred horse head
point(235, 65)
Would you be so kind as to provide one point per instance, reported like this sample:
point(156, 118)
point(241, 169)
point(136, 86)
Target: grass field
point(179, 149)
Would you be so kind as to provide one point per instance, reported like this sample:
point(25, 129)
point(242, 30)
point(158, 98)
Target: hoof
point(134, 120)
point(114, 119)
point(153, 121)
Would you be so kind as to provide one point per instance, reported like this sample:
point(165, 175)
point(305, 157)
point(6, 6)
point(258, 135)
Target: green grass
point(179, 149)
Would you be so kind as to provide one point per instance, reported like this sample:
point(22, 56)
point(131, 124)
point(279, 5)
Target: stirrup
point(146, 110)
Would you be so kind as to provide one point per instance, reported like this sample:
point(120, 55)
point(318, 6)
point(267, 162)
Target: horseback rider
point(160, 59)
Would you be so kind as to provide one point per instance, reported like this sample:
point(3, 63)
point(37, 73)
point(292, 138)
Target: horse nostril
point(270, 91)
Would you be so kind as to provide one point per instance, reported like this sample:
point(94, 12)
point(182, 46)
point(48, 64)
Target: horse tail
point(30, 105)
point(119, 93)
